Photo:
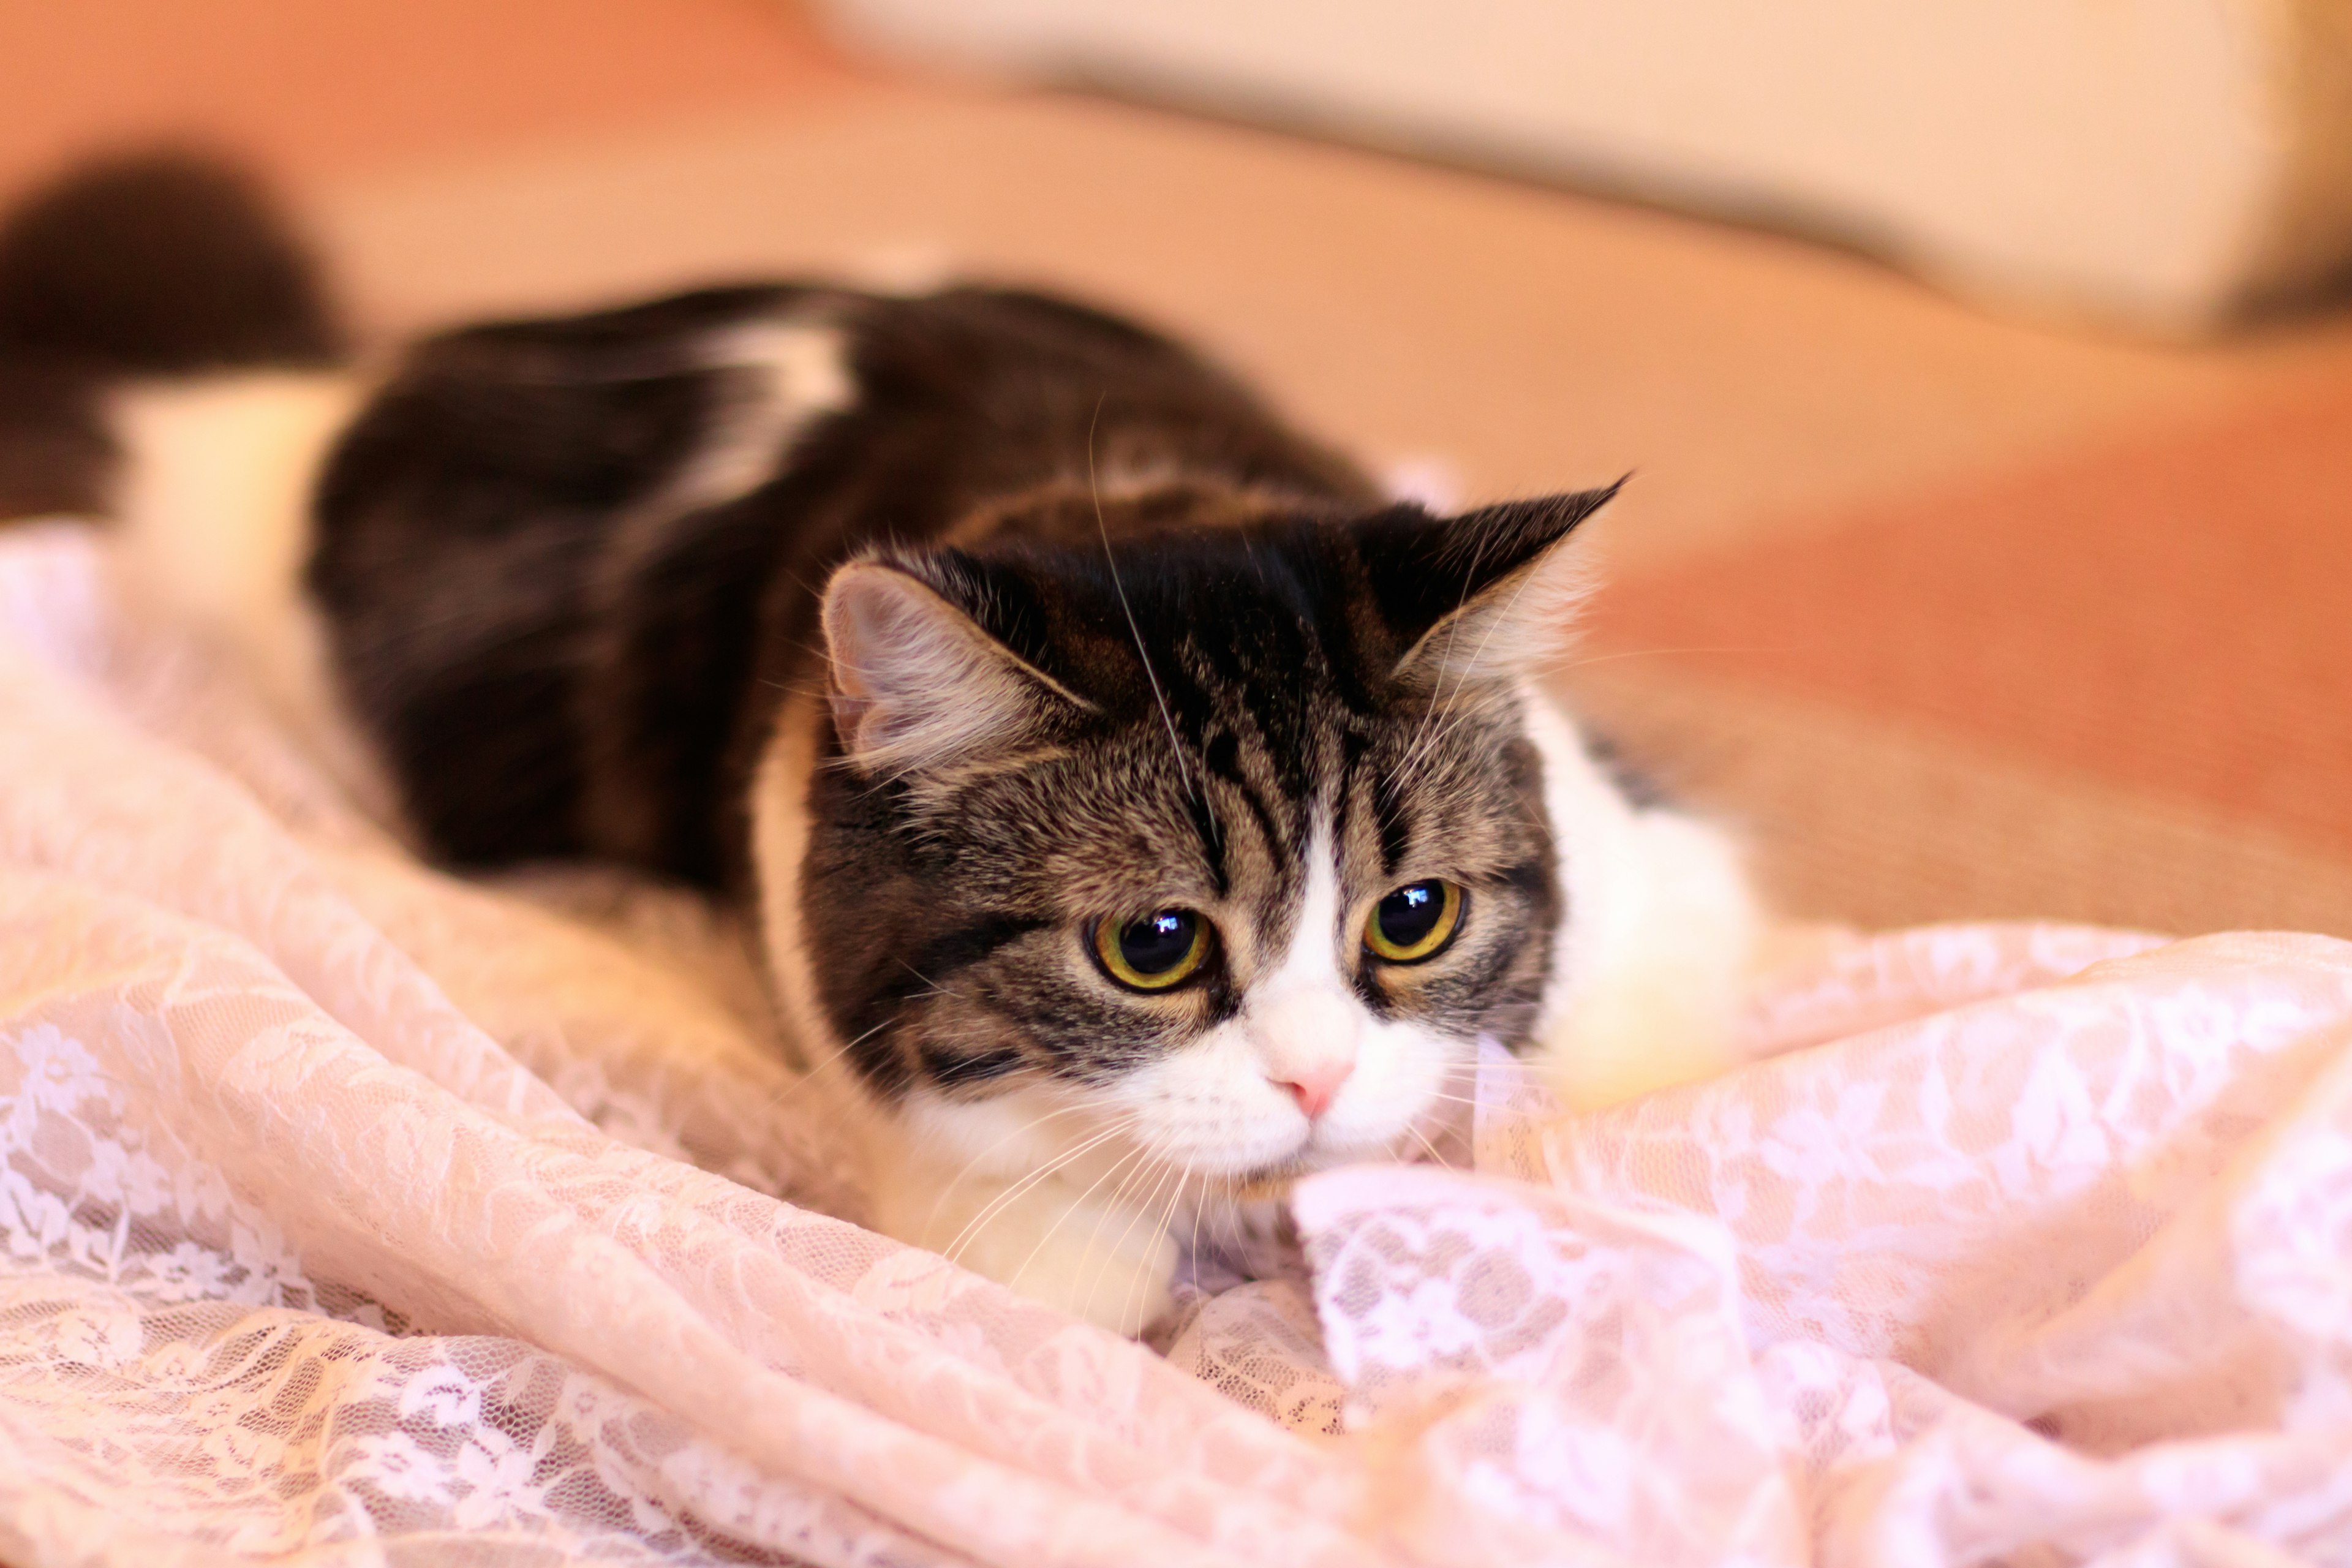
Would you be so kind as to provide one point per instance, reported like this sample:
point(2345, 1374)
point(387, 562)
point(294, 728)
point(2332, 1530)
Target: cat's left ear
point(1490, 593)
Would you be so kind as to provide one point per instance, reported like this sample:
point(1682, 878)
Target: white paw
point(1108, 1263)
point(1114, 1274)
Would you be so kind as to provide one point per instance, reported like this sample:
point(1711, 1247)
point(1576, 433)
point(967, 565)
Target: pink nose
point(1314, 1086)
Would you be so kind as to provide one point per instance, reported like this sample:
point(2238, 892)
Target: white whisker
point(996, 1204)
point(1072, 1206)
point(1168, 717)
point(953, 1182)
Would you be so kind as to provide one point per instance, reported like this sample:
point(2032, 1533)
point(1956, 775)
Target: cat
point(1137, 807)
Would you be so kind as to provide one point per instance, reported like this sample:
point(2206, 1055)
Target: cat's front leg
point(1067, 1243)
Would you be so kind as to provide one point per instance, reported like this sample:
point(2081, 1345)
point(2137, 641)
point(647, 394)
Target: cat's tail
point(160, 263)
point(154, 267)
point(169, 361)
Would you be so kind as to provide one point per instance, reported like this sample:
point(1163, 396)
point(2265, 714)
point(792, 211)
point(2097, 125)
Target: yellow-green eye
point(1415, 922)
point(1163, 949)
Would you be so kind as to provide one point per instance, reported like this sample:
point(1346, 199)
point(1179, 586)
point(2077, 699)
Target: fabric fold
point(350, 1212)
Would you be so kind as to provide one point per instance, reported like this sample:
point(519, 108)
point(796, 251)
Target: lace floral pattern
point(351, 1214)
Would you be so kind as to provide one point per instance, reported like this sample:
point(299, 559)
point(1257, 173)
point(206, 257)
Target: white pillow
point(2161, 162)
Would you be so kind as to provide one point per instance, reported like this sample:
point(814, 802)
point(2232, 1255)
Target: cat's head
point(1232, 839)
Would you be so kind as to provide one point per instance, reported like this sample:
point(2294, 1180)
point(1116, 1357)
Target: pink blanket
point(349, 1213)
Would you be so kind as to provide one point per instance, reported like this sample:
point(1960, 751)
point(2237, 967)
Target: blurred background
point(1984, 365)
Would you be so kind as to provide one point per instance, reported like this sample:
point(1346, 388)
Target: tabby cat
point(1136, 806)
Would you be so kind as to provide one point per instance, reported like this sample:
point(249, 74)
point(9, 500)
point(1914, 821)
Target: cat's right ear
point(917, 682)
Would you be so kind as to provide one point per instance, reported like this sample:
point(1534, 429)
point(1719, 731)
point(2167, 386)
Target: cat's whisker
point(1072, 1207)
point(1451, 631)
point(1023, 1130)
point(1448, 726)
point(1109, 1211)
point(1750, 649)
point(1167, 715)
point(1015, 1191)
point(931, 986)
point(1200, 1207)
point(1136, 1213)
point(802, 1076)
point(1135, 1217)
point(978, 1224)
point(1162, 1226)
point(1450, 723)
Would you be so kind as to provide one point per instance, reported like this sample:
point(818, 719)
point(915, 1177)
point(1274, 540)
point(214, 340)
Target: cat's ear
point(1490, 594)
point(917, 682)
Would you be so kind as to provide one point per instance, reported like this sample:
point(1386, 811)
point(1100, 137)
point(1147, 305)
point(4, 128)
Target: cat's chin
point(1019, 1187)
point(1035, 1124)
point(1268, 1180)
point(1253, 1173)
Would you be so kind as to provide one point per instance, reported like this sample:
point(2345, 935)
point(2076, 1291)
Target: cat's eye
point(1415, 922)
point(1163, 949)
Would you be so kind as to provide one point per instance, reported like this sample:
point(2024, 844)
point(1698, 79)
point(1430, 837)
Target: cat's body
point(1138, 810)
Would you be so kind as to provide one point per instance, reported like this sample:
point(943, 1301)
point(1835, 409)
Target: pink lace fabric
point(353, 1213)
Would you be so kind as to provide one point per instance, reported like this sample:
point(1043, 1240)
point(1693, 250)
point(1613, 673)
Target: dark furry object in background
point(152, 263)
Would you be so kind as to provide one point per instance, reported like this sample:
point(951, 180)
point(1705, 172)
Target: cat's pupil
point(1159, 942)
point(1408, 915)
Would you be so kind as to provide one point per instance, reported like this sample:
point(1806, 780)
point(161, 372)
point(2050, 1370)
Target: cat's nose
point(1308, 1039)
point(1314, 1086)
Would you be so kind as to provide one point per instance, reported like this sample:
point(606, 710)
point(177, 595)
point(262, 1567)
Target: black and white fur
point(937, 630)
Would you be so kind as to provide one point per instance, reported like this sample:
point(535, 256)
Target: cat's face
point(1233, 857)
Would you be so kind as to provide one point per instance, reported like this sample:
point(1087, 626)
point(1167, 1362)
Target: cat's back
point(915, 407)
point(566, 564)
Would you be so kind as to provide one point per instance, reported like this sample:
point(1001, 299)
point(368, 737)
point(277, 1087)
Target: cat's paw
point(1115, 1276)
point(1045, 1239)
